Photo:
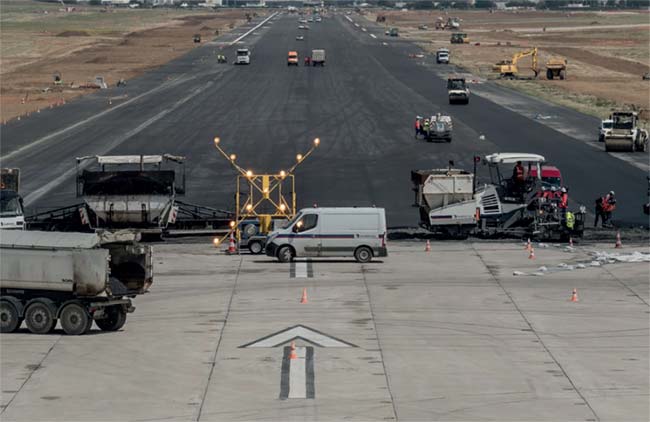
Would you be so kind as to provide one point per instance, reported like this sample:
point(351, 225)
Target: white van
point(331, 232)
point(243, 56)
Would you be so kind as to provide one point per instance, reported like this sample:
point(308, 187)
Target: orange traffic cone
point(574, 296)
point(303, 299)
point(231, 244)
point(531, 255)
point(619, 244)
point(427, 248)
point(528, 246)
point(293, 355)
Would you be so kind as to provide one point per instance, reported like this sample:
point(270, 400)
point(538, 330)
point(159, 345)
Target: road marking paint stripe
point(37, 194)
point(254, 28)
point(92, 118)
point(284, 374)
point(301, 269)
point(297, 375)
point(373, 35)
point(305, 333)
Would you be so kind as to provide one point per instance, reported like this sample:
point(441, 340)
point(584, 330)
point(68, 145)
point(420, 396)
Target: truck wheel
point(285, 254)
point(115, 319)
point(75, 320)
point(549, 74)
point(255, 247)
point(9, 319)
point(39, 318)
point(448, 140)
point(363, 254)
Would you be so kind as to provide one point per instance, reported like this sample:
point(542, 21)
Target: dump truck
point(131, 192)
point(459, 38)
point(453, 204)
point(457, 90)
point(12, 215)
point(72, 278)
point(556, 68)
point(440, 128)
point(626, 135)
point(318, 57)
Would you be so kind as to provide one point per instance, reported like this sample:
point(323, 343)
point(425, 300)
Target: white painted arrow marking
point(299, 332)
point(297, 375)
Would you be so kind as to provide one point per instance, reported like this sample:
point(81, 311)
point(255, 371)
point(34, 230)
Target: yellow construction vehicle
point(556, 68)
point(459, 38)
point(508, 69)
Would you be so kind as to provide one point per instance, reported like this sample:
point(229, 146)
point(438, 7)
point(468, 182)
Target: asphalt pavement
point(361, 105)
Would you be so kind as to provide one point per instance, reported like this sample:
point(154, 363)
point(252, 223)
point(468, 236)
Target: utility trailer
point(131, 192)
point(451, 204)
point(75, 278)
point(440, 128)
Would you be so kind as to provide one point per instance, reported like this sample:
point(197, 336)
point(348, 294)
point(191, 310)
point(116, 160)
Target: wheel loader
point(626, 135)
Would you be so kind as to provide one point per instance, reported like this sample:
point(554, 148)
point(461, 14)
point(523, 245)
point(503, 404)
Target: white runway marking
point(297, 375)
point(37, 194)
point(254, 28)
point(301, 269)
point(373, 35)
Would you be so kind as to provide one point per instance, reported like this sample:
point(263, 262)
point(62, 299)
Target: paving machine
point(625, 134)
point(451, 204)
point(131, 191)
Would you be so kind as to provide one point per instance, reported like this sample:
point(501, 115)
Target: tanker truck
point(72, 278)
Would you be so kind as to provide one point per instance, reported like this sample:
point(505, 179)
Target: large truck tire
point(255, 247)
point(115, 319)
point(75, 320)
point(9, 319)
point(549, 74)
point(40, 317)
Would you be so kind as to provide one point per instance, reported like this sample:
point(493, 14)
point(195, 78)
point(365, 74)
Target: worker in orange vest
point(518, 176)
point(564, 200)
point(417, 126)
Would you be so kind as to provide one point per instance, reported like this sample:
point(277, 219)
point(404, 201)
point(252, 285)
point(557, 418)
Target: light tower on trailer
point(264, 197)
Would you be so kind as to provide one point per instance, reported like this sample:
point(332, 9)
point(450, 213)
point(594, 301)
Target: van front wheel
point(363, 254)
point(285, 254)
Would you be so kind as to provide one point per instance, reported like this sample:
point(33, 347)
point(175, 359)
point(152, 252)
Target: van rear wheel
point(363, 254)
point(285, 254)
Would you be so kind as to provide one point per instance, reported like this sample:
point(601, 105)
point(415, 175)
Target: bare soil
point(607, 52)
point(89, 42)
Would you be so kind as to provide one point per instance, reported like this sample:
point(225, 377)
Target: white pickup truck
point(243, 56)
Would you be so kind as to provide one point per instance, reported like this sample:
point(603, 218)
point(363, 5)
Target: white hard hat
point(611, 192)
point(563, 189)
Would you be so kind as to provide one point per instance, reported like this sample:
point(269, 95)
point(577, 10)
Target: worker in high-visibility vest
point(417, 126)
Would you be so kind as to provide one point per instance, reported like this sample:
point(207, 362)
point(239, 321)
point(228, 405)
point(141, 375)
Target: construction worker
point(518, 177)
point(417, 126)
point(426, 127)
point(605, 205)
point(564, 200)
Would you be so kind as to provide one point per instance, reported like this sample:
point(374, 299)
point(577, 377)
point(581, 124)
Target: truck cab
point(605, 129)
point(243, 56)
point(12, 215)
point(442, 56)
point(292, 58)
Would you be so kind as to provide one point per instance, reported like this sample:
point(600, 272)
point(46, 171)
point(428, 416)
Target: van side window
point(307, 222)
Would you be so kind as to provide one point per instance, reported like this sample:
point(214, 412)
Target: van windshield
point(293, 220)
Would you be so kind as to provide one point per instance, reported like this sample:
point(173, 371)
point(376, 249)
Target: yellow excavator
point(508, 69)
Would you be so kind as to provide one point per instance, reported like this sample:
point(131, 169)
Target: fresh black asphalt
point(361, 105)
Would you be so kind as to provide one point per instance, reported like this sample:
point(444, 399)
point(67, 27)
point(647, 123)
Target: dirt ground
point(607, 52)
point(41, 39)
